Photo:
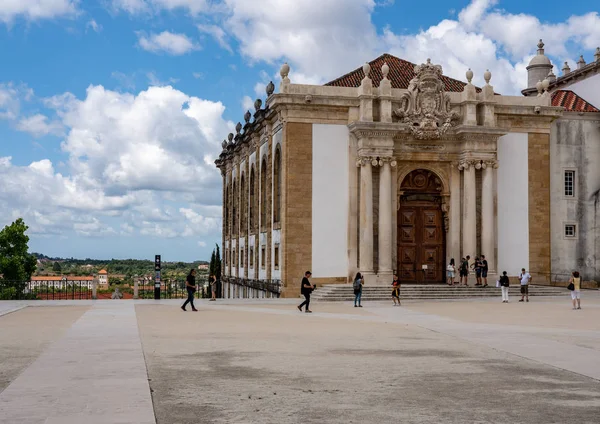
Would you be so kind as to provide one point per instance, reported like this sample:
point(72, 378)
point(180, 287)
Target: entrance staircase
point(344, 292)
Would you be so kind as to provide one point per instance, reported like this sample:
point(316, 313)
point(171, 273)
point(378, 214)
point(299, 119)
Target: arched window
point(277, 185)
point(243, 200)
point(252, 199)
point(233, 209)
point(263, 192)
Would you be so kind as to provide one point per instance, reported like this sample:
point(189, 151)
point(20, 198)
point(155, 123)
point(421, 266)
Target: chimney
point(580, 62)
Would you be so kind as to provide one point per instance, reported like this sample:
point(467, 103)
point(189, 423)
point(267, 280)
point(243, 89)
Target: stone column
point(453, 250)
point(366, 216)
point(469, 221)
point(488, 230)
point(136, 288)
point(385, 220)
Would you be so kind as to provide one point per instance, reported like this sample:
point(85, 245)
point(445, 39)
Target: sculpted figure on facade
point(426, 108)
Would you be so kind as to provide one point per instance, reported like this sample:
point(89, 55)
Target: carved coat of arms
point(426, 107)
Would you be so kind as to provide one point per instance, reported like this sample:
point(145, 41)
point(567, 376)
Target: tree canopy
point(16, 264)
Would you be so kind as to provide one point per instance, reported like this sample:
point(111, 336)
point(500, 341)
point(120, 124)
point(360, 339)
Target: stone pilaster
point(385, 220)
point(453, 243)
point(469, 218)
point(488, 224)
point(366, 216)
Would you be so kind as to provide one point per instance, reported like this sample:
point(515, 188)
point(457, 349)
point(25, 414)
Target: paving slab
point(94, 374)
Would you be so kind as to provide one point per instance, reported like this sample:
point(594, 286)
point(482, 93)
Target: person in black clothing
point(306, 289)
point(504, 284)
point(190, 285)
point(484, 270)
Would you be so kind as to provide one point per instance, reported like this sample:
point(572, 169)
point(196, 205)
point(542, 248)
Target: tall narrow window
point(263, 193)
point(227, 210)
point(263, 257)
point(276, 257)
point(277, 185)
point(252, 199)
point(252, 257)
point(243, 200)
point(570, 183)
point(233, 210)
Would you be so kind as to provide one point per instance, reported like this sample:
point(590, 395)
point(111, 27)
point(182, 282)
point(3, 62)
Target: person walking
point(484, 270)
point(464, 271)
point(190, 285)
point(357, 286)
point(306, 289)
point(396, 290)
point(450, 272)
point(575, 287)
point(212, 280)
point(504, 285)
point(525, 278)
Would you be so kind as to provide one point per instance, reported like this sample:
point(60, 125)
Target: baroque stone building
point(394, 167)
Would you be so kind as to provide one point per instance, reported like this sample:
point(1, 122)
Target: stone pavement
point(261, 361)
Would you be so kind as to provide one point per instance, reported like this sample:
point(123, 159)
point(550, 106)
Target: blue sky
point(112, 111)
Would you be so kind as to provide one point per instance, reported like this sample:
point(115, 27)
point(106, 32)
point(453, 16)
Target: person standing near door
point(484, 270)
point(306, 289)
point(450, 272)
point(464, 271)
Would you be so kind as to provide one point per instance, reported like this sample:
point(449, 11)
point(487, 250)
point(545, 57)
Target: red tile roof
point(401, 72)
point(571, 102)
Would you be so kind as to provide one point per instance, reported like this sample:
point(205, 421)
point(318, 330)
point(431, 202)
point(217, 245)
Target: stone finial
point(385, 70)
point(545, 84)
point(224, 144)
point(247, 116)
point(284, 71)
point(597, 54)
point(257, 104)
point(551, 77)
point(469, 76)
point(540, 47)
point(367, 70)
point(566, 69)
point(238, 127)
point(580, 62)
point(270, 88)
point(540, 87)
point(230, 137)
point(487, 76)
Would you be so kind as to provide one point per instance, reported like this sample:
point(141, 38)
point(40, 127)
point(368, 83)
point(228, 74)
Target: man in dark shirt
point(305, 289)
point(190, 285)
point(484, 270)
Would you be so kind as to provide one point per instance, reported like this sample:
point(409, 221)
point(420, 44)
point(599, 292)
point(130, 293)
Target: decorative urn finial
point(284, 71)
point(487, 76)
point(469, 76)
point(257, 104)
point(597, 54)
point(247, 116)
point(270, 88)
point(366, 70)
point(385, 70)
point(224, 144)
point(540, 87)
point(540, 47)
point(566, 69)
point(545, 84)
point(230, 137)
point(238, 127)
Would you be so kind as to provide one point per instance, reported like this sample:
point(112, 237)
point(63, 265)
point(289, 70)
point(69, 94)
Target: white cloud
point(198, 75)
point(193, 7)
point(38, 125)
point(168, 42)
point(33, 10)
point(218, 34)
point(247, 104)
point(95, 26)
point(11, 96)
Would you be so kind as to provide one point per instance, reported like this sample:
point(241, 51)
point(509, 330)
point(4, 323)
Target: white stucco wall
point(588, 89)
point(513, 203)
point(330, 201)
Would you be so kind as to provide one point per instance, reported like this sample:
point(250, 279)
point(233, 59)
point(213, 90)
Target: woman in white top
point(450, 272)
point(576, 292)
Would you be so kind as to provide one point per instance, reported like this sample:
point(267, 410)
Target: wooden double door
point(421, 240)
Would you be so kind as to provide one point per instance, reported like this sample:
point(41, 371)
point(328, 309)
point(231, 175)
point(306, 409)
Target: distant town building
point(103, 278)
point(203, 266)
point(60, 282)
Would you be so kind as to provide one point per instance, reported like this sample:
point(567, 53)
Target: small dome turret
point(539, 67)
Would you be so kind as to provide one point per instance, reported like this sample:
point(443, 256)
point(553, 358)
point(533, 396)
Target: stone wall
point(296, 205)
point(539, 207)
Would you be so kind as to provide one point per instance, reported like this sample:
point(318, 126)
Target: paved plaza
point(244, 361)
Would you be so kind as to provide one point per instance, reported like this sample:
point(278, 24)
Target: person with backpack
point(504, 285)
point(357, 286)
point(396, 290)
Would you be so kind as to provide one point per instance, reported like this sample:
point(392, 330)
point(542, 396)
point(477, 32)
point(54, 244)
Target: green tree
point(56, 267)
point(211, 266)
point(218, 264)
point(16, 263)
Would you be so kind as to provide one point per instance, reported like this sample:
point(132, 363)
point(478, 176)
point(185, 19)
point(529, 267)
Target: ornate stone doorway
point(421, 233)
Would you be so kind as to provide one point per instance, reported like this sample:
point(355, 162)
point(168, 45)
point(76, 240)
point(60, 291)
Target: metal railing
point(173, 289)
point(270, 287)
point(50, 290)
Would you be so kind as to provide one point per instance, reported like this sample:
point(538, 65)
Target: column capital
point(376, 160)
